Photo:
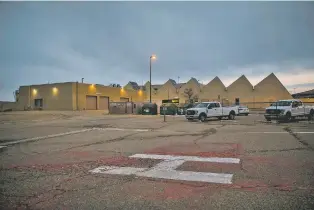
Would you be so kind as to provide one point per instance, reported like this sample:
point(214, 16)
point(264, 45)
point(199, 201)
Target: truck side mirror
point(209, 107)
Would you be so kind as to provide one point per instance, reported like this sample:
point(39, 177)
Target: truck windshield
point(201, 105)
point(282, 103)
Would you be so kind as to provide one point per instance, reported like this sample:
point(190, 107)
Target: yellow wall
point(113, 93)
point(192, 83)
point(213, 90)
point(56, 96)
point(241, 89)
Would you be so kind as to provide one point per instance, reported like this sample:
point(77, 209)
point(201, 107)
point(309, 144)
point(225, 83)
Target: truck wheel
point(231, 116)
point(219, 118)
point(268, 119)
point(246, 114)
point(190, 119)
point(311, 116)
point(288, 117)
point(202, 117)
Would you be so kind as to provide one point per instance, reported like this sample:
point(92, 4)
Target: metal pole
point(150, 79)
point(164, 114)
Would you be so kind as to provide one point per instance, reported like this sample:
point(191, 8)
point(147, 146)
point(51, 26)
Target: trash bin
point(169, 109)
point(149, 109)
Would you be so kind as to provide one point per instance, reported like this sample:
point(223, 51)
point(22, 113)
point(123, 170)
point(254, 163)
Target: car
point(287, 110)
point(205, 110)
point(243, 110)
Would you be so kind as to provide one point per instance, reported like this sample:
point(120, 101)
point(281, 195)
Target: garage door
point(103, 103)
point(91, 102)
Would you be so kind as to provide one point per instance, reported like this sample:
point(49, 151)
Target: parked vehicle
point(205, 110)
point(243, 110)
point(288, 110)
point(182, 109)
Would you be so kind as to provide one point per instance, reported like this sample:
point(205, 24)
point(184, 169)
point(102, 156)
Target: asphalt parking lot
point(81, 160)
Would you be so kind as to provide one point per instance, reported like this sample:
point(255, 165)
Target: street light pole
point(152, 57)
point(150, 79)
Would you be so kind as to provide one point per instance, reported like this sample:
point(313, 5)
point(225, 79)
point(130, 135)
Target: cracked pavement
point(276, 169)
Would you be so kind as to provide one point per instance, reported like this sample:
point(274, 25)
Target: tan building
point(73, 96)
point(82, 96)
point(240, 91)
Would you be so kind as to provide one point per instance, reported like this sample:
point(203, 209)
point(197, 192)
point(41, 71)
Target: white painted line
point(2, 147)
point(117, 170)
point(188, 176)
point(166, 169)
point(122, 129)
point(69, 133)
point(282, 132)
point(47, 137)
point(267, 132)
point(187, 158)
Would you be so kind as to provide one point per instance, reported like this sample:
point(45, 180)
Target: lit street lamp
point(152, 57)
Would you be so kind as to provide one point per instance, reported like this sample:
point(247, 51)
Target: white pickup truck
point(205, 110)
point(288, 110)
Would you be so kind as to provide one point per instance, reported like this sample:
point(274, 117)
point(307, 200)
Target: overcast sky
point(110, 42)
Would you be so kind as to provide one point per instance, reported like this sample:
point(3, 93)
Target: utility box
point(149, 109)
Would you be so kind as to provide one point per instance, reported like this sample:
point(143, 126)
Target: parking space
point(142, 162)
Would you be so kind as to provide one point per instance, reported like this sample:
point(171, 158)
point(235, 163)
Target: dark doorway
point(237, 101)
point(38, 103)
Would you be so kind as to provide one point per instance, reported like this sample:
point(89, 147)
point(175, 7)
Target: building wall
point(241, 89)
point(113, 93)
point(193, 84)
point(167, 91)
point(7, 105)
point(214, 90)
point(57, 96)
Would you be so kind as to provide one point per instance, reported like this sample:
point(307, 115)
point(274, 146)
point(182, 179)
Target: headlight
point(196, 112)
point(282, 111)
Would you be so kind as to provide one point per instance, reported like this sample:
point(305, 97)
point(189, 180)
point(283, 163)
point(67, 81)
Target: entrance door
point(91, 102)
point(103, 103)
point(38, 103)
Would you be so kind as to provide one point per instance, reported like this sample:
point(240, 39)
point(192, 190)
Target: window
point(299, 103)
point(237, 101)
point(217, 105)
point(201, 105)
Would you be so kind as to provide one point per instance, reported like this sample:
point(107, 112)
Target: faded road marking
point(2, 147)
point(166, 169)
point(69, 133)
point(281, 132)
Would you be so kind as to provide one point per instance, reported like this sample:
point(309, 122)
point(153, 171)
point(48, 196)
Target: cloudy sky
point(110, 42)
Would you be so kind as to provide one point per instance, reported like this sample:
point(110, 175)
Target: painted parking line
point(1, 147)
point(69, 133)
point(167, 169)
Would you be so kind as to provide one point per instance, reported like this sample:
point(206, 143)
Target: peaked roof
point(242, 78)
point(216, 80)
point(172, 81)
point(134, 85)
point(271, 76)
